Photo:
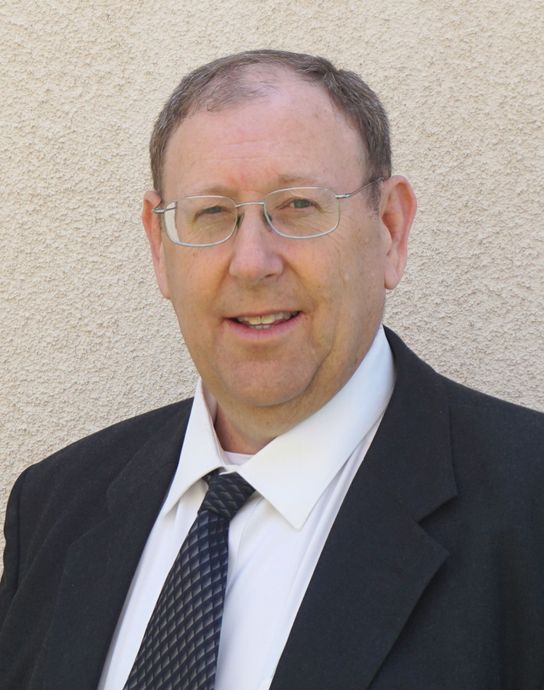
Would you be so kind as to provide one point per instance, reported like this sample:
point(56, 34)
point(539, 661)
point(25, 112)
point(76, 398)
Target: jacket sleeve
point(10, 576)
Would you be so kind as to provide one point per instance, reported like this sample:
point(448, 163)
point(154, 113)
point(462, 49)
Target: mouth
point(263, 321)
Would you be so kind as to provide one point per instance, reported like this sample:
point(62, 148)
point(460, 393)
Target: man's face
point(323, 297)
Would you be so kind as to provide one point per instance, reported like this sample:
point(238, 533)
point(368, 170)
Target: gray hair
point(224, 82)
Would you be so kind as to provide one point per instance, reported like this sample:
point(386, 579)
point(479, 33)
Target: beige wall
point(85, 338)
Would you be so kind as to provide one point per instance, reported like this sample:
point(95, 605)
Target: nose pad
point(264, 220)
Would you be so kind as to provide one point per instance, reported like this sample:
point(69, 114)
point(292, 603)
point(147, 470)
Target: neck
point(245, 433)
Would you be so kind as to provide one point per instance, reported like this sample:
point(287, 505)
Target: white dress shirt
point(301, 479)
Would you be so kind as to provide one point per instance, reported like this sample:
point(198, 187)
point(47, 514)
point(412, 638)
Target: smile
point(266, 320)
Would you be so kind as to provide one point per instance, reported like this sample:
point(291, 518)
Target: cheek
point(337, 297)
point(184, 286)
point(360, 285)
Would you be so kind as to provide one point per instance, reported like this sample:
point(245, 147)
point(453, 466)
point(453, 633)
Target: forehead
point(288, 126)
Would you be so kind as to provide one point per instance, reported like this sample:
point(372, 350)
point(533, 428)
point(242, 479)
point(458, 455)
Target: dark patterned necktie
point(179, 647)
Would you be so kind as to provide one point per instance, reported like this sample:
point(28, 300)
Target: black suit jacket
point(432, 577)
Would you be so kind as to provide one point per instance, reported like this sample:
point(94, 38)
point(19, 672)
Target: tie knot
point(227, 493)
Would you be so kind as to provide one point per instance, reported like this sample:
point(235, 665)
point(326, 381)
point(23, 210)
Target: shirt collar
point(294, 469)
point(201, 451)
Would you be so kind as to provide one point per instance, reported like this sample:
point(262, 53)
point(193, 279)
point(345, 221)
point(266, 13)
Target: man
point(395, 535)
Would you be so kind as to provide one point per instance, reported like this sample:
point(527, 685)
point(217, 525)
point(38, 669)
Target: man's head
point(276, 325)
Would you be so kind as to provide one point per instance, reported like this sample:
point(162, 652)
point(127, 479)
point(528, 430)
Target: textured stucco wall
point(85, 337)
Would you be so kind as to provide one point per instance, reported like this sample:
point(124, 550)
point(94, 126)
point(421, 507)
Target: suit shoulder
point(471, 411)
point(113, 445)
point(498, 447)
point(495, 449)
point(490, 413)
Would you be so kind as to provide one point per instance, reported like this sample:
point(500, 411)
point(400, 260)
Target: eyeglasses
point(298, 213)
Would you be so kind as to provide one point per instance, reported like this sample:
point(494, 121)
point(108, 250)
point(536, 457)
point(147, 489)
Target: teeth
point(266, 320)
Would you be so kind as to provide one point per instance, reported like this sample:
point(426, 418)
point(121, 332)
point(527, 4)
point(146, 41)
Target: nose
point(256, 248)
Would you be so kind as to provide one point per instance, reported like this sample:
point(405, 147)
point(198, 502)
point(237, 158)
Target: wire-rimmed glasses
point(298, 213)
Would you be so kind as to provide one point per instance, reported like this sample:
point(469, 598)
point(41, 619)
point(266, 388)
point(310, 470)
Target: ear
point(153, 230)
point(397, 210)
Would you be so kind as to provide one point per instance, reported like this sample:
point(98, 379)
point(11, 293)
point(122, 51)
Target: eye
point(210, 213)
point(211, 210)
point(302, 203)
point(298, 203)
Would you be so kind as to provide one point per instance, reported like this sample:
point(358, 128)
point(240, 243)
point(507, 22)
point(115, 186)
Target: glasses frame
point(171, 206)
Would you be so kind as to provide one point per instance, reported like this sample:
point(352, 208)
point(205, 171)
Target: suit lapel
point(100, 564)
point(378, 560)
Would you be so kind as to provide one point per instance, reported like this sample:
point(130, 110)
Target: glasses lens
point(202, 220)
point(302, 211)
